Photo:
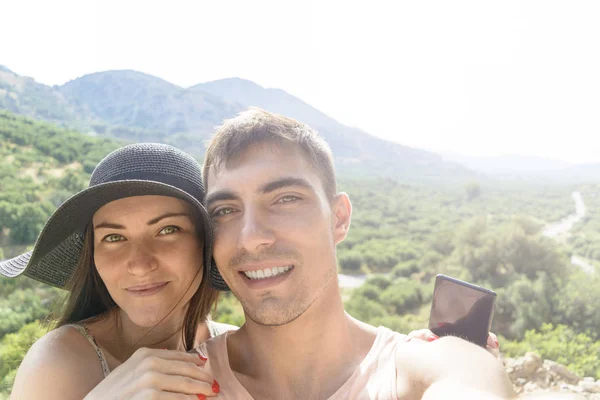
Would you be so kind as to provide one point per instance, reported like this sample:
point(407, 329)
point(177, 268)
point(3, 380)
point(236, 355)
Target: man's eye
point(167, 230)
point(288, 199)
point(222, 211)
point(113, 238)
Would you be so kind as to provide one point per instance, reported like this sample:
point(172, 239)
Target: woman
point(134, 250)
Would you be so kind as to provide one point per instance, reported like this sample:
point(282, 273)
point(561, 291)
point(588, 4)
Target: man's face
point(275, 231)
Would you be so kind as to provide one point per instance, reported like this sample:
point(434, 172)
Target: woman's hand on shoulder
point(157, 374)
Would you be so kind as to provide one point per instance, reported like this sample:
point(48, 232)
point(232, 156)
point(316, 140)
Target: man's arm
point(449, 368)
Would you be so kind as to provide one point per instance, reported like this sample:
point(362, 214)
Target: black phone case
point(475, 326)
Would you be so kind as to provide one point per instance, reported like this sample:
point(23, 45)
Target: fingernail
point(496, 343)
point(407, 338)
point(202, 397)
point(202, 357)
point(215, 387)
point(431, 338)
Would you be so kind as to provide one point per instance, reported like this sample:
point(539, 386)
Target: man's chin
point(274, 315)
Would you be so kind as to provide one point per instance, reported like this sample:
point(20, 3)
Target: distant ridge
point(135, 106)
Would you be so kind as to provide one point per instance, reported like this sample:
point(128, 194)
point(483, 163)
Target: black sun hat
point(134, 170)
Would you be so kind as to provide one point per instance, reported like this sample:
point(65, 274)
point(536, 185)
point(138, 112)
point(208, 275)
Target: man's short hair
point(257, 126)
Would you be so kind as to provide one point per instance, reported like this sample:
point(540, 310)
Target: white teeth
point(267, 272)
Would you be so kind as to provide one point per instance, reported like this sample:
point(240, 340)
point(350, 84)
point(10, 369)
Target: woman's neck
point(121, 337)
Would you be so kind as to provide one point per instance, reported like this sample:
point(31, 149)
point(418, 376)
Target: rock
point(531, 374)
point(523, 367)
point(562, 372)
point(530, 387)
point(590, 386)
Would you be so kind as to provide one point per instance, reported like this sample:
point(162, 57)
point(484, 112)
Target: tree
point(473, 191)
point(27, 222)
point(12, 351)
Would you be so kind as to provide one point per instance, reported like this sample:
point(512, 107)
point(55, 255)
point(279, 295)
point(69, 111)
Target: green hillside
point(483, 231)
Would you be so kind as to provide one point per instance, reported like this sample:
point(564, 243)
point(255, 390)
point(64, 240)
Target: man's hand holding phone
point(425, 334)
point(461, 309)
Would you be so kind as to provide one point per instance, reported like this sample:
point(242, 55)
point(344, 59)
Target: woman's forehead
point(143, 205)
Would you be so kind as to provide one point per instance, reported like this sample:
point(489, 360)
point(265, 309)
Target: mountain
point(25, 96)
point(507, 164)
point(352, 147)
point(138, 107)
point(528, 168)
point(136, 100)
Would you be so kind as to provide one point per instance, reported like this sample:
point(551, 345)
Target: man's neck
point(310, 357)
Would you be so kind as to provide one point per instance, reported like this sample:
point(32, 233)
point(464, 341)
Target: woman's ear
point(342, 214)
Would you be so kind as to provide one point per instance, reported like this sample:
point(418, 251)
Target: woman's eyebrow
point(168, 215)
point(110, 225)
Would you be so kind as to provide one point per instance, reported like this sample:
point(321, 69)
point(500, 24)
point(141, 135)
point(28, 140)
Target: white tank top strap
point(213, 329)
point(103, 363)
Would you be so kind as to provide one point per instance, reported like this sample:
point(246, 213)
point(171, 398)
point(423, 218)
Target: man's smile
point(264, 275)
point(267, 272)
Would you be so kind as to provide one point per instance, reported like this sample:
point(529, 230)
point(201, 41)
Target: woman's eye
point(113, 238)
point(167, 230)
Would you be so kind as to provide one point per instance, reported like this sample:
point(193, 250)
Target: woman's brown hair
point(89, 298)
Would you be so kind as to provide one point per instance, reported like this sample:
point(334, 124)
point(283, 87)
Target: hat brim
point(58, 247)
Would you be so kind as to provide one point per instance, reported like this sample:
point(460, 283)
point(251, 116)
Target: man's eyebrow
point(283, 183)
point(220, 196)
point(153, 221)
point(225, 195)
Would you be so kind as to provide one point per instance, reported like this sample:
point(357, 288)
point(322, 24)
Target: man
point(277, 216)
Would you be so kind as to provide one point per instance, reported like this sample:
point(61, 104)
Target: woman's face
point(149, 255)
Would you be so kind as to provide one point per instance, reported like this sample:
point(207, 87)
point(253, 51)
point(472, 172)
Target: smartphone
point(461, 309)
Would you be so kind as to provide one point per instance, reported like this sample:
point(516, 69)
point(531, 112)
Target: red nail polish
point(496, 343)
point(215, 387)
point(202, 357)
point(201, 397)
point(431, 338)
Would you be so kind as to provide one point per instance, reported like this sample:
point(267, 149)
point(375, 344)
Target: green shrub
point(560, 343)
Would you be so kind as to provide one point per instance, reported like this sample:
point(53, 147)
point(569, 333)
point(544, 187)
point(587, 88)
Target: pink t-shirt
point(374, 379)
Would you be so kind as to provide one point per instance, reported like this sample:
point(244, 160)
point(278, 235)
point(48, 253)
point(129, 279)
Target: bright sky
point(474, 77)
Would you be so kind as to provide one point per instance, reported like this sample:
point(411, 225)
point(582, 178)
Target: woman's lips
point(147, 289)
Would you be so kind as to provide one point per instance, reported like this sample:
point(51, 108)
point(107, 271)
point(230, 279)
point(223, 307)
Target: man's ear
point(342, 214)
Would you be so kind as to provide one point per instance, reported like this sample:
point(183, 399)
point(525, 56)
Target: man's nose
point(257, 231)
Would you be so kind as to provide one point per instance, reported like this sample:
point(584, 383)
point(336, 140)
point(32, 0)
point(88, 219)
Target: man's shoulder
point(220, 327)
point(381, 333)
point(216, 345)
